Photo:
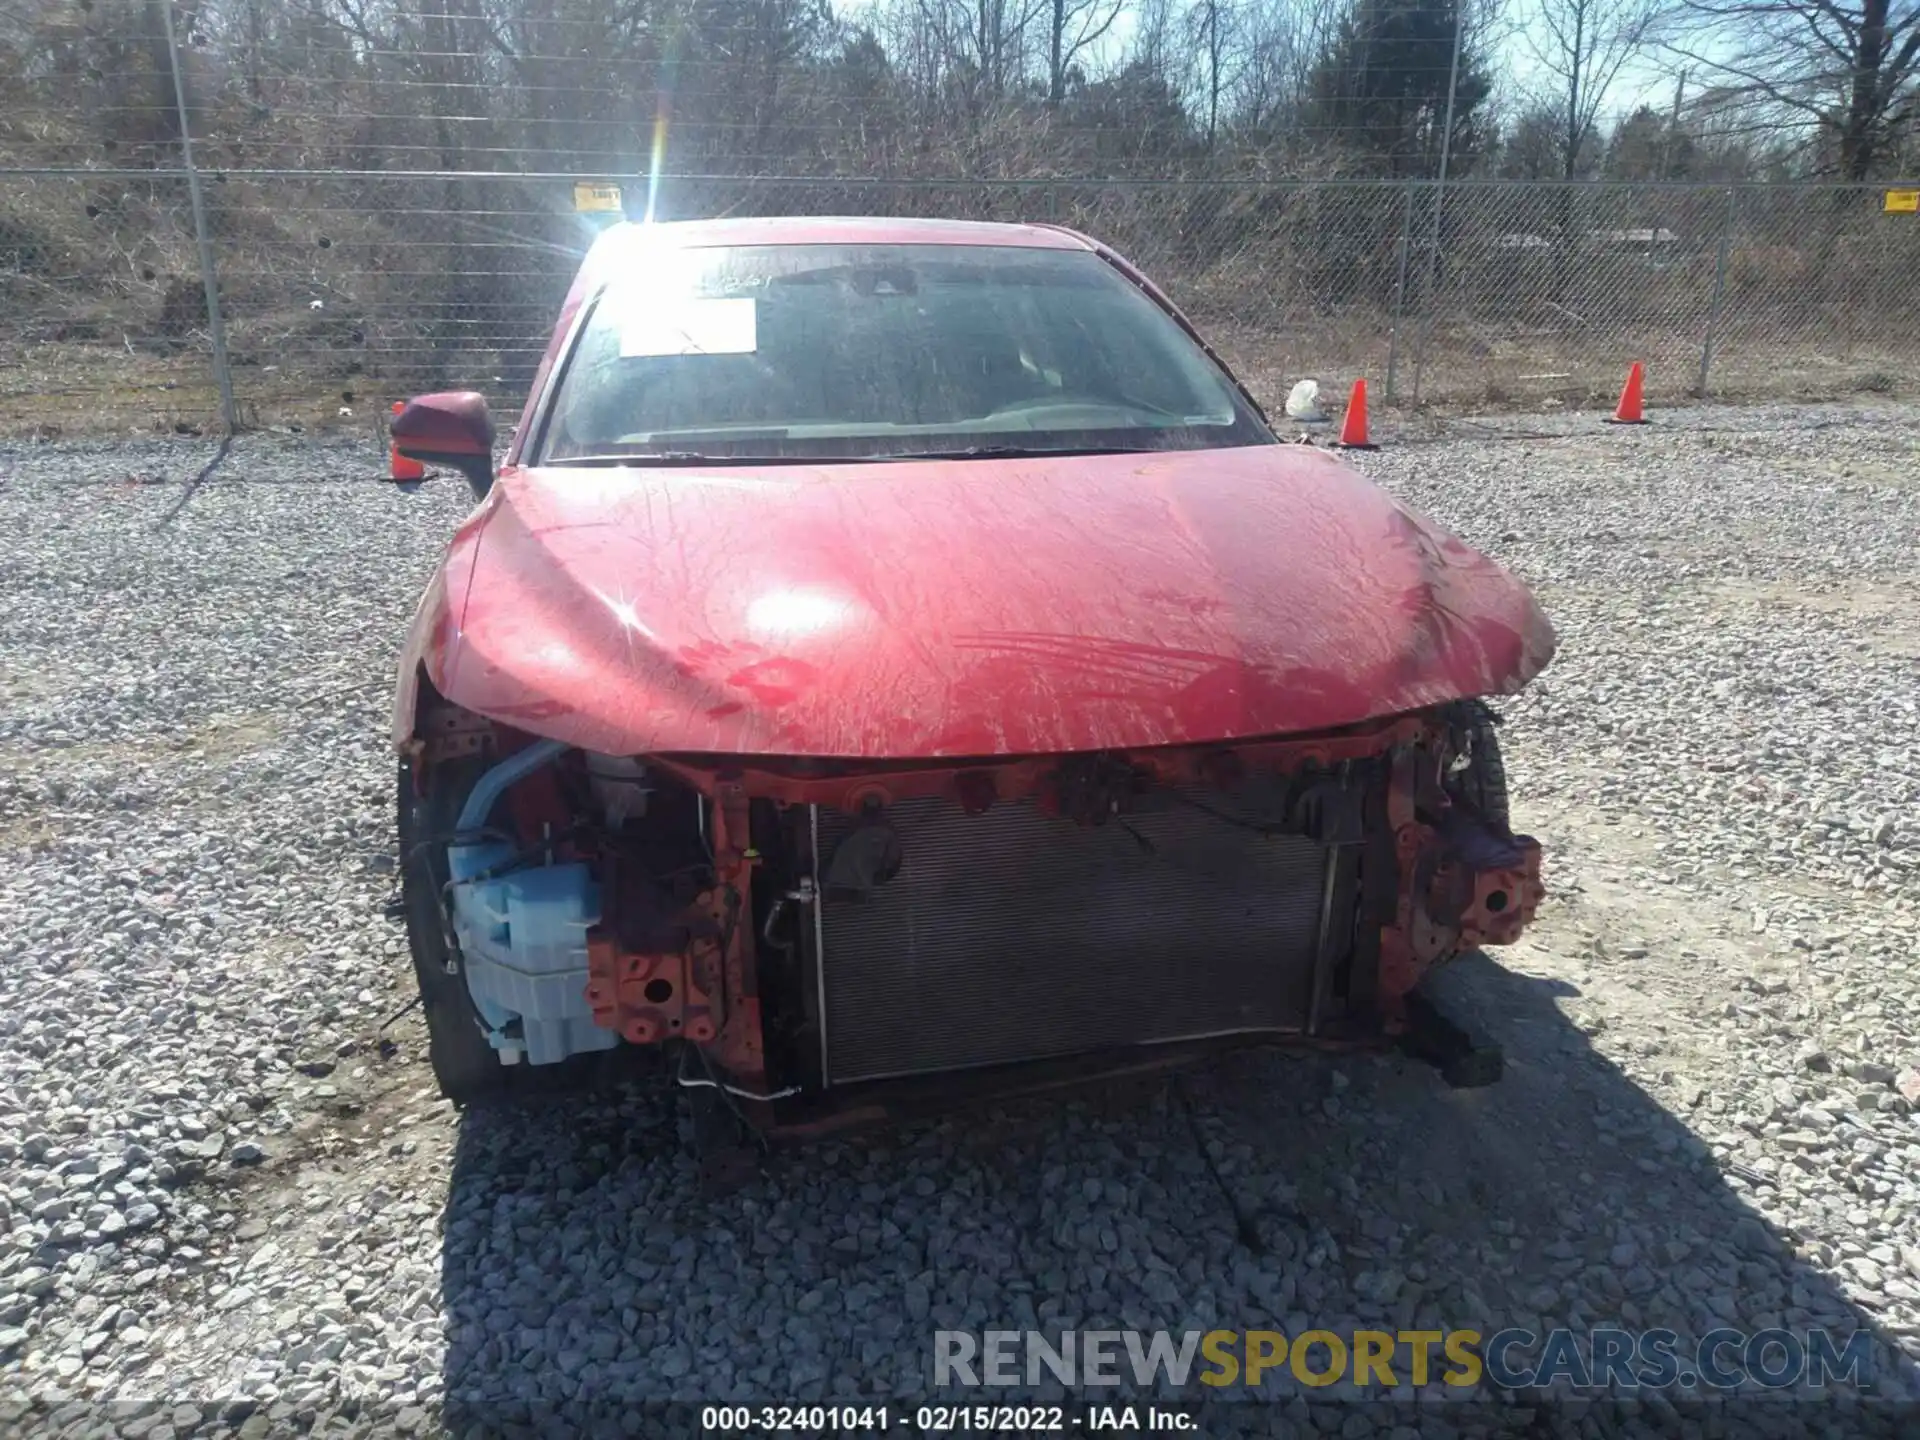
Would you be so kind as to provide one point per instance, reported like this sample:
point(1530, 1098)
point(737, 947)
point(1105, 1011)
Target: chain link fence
point(343, 290)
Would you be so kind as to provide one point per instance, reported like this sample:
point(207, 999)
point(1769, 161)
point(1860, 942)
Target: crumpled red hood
point(986, 607)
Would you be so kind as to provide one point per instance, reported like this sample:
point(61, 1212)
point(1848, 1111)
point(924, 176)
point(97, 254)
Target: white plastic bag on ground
point(1303, 402)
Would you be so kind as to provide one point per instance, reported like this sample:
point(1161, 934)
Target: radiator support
point(1012, 935)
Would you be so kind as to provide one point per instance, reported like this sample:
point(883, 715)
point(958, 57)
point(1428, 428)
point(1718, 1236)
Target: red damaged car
point(896, 658)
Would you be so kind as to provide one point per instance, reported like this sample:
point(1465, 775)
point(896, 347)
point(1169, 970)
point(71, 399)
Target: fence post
point(1399, 288)
point(209, 277)
point(1429, 298)
point(1719, 289)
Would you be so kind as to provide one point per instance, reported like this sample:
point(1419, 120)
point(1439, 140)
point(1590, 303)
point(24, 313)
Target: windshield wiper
point(664, 458)
point(1012, 452)
point(682, 457)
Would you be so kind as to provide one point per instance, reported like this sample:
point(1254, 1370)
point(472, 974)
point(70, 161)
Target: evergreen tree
point(1380, 90)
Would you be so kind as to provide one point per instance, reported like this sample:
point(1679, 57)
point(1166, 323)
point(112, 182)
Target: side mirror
point(451, 428)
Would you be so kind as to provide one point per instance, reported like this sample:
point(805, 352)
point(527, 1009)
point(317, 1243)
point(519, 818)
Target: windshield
point(804, 352)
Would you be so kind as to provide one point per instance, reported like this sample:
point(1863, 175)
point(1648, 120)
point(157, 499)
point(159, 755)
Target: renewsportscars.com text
point(1514, 1359)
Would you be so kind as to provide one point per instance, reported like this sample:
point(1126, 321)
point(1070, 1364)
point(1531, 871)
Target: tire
point(467, 1068)
point(1482, 784)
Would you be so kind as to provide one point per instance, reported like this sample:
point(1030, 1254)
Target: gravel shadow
point(580, 1265)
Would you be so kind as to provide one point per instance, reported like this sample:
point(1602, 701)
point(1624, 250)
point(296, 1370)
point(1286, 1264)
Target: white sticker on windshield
point(690, 327)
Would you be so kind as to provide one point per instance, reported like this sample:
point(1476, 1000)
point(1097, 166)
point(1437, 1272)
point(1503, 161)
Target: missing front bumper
point(1014, 935)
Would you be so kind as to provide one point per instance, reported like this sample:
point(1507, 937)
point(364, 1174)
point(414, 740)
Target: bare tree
point(1073, 28)
point(1213, 31)
point(1279, 41)
point(998, 32)
point(973, 52)
point(1533, 145)
point(1153, 36)
point(1582, 46)
point(1849, 69)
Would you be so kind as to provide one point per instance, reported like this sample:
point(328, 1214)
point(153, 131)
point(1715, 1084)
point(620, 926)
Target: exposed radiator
point(1013, 935)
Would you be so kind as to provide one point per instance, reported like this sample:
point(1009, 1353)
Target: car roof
point(622, 242)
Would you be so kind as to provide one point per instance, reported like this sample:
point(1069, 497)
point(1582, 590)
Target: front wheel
point(467, 1068)
point(1482, 781)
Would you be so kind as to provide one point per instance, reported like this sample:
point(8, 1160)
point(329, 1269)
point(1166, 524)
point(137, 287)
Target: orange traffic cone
point(1353, 426)
point(403, 468)
point(1628, 411)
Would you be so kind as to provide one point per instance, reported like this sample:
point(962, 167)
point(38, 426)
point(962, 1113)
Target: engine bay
point(797, 926)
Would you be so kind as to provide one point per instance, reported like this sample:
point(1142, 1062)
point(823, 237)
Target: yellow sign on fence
point(1903, 202)
point(596, 199)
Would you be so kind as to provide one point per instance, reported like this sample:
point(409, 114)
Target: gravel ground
point(225, 1190)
